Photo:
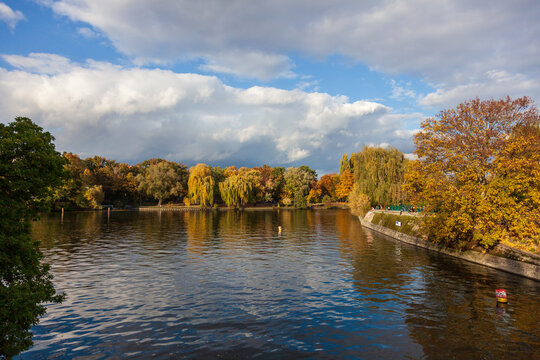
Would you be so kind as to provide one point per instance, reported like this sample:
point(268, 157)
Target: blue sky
point(250, 82)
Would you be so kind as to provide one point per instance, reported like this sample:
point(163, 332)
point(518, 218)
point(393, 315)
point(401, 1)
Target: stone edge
point(530, 271)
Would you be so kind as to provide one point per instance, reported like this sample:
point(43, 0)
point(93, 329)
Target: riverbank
point(502, 258)
point(246, 208)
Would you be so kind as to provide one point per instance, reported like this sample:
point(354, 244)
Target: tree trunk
point(159, 203)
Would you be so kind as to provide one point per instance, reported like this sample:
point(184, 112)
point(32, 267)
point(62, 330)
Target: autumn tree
point(379, 173)
point(345, 185)
point(236, 190)
point(344, 164)
point(201, 184)
point(478, 173)
point(278, 183)
point(298, 182)
point(327, 184)
point(30, 168)
point(163, 180)
point(94, 196)
point(268, 184)
point(359, 202)
point(70, 194)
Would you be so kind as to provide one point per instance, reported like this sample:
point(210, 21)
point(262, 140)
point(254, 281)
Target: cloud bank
point(449, 44)
point(126, 114)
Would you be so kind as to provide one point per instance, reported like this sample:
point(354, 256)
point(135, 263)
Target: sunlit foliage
point(201, 185)
point(478, 173)
point(344, 164)
point(94, 196)
point(163, 180)
point(344, 185)
point(379, 173)
point(298, 182)
point(359, 202)
point(236, 190)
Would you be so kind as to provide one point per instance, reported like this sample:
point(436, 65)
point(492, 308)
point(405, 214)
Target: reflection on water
point(227, 284)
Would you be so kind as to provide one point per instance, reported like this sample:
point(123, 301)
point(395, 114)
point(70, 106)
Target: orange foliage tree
point(478, 173)
point(345, 185)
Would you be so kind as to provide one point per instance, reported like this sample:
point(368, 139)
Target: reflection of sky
point(136, 286)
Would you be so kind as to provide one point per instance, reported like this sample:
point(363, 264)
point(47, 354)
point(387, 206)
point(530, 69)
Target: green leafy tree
point(163, 180)
point(29, 169)
point(70, 195)
point(278, 181)
point(218, 174)
point(298, 183)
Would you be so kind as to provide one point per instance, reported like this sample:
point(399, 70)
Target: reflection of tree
point(199, 225)
point(54, 230)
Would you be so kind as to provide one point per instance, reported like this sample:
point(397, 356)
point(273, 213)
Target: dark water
point(227, 285)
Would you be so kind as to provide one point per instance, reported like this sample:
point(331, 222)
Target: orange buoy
point(501, 295)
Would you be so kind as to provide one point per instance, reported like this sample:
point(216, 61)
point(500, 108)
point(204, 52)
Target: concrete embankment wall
point(528, 270)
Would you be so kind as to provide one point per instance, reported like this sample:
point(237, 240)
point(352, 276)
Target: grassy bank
point(410, 225)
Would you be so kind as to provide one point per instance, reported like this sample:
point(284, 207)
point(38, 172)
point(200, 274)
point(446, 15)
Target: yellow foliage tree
point(358, 201)
point(345, 185)
point(201, 184)
point(478, 173)
point(236, 189)
point(94, 195)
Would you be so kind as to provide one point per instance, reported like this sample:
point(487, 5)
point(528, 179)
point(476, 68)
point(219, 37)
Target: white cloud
point(255, 65)
point(399, 92)
point(87, 33)
point(38, 62)
point(10, 17)
point(442, 42)
point(494, 84)
point(134, 114)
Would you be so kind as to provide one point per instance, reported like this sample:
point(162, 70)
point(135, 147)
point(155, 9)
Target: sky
point(252, 82)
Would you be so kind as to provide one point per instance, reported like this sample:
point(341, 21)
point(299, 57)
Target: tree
point(278, 182)
point(94, 195)
point(379, 173)
point(298, 182)
point(236, 189)
point(327, 183)
point(71, 193)
point(29, 169)
point(478, 173)
point(359, 202)
point(345, 185)
point(201, 184)
point(344, 164)
point(163, 180)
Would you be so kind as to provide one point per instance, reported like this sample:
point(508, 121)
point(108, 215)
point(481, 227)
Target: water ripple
point(225, 284)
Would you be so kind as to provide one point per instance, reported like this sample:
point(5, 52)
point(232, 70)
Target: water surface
point(226, 284)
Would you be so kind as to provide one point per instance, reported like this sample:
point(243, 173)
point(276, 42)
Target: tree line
point(97, 181)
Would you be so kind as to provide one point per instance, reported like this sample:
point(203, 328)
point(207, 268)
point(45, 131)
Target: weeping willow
point(201, 185)
point(379, 173)
point(236, 190)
